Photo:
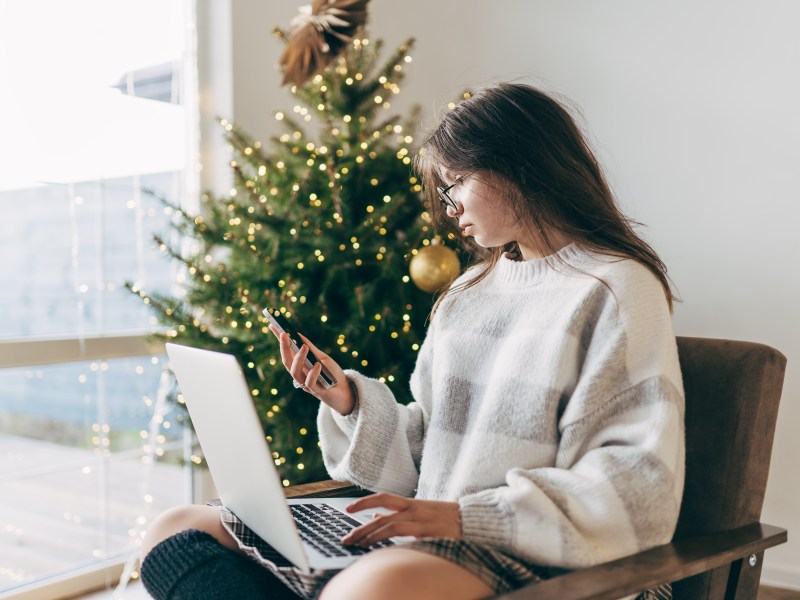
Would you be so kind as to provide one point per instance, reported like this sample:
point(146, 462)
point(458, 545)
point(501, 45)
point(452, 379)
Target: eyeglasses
point(444, 196)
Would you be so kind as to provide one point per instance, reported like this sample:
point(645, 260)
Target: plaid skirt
point(501, 571)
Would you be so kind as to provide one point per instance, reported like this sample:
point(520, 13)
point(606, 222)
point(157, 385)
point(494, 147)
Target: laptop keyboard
point(322, 526)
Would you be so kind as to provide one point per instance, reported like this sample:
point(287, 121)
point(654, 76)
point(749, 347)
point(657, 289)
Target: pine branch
point(307, 227)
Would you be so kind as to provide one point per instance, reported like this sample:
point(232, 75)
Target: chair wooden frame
point(730, 556)
point(632, 574)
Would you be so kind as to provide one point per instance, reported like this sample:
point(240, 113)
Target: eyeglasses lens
point(445, 198)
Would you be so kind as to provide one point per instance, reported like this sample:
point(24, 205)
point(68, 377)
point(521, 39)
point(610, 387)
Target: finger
point(287, 354)
point(316, 351)
point(312, 379)
point(298, 366)
point(327, 362)
point(381, 500)
point(390, 529)
point(359, 534)
point(388, 526)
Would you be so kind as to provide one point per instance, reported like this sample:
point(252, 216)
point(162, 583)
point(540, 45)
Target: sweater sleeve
point(379, 445)
point(616, 485)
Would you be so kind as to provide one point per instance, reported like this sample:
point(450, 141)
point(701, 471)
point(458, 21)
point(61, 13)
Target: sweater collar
point(529, 272)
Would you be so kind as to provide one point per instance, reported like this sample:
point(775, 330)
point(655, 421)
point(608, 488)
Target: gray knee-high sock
point(193, 565)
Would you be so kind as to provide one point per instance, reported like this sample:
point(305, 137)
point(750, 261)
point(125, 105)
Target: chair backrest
point(733, 390)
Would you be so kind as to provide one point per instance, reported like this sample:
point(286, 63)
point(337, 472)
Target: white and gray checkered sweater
point(548, 403)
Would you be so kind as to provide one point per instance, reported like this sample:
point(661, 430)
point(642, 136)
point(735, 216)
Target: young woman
point(547, 428)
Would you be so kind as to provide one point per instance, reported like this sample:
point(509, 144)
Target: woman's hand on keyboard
point(410, 517)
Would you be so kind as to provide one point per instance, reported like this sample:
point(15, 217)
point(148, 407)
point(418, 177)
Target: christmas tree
point(321, 224)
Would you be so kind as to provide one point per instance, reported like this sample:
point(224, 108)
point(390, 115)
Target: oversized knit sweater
point(548, 404)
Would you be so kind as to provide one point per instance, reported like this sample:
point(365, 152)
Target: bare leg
point(396, 573)
point(181, 518)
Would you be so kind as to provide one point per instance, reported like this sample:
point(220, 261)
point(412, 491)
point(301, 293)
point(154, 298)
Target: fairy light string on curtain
point(166, 417)
point(153, 448)
point(154, 444)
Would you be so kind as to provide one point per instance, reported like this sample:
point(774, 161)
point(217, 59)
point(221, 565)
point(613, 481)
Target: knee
point(395, 573)
point(182, 518)
point(385, 575)
point(365, 579)
point(165, 525)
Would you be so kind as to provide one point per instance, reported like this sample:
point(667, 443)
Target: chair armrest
point(325, 489)
point(630, 575)
point(657, 566)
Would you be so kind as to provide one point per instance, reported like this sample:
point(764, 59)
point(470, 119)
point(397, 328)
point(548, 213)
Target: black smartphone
point(282, 324)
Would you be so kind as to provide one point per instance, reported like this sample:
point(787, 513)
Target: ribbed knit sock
point(193, 565)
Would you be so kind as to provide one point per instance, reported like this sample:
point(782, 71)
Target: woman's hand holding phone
point(338, 396)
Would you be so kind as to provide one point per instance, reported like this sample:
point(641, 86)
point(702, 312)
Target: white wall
point(695, 110)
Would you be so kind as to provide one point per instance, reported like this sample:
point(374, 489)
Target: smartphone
point(282, 324)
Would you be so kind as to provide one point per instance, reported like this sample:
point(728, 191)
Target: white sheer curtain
point(98, 105)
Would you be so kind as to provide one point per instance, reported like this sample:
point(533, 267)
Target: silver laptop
point(241, 464)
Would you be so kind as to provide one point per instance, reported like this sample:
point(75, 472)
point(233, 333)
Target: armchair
point(733, 390)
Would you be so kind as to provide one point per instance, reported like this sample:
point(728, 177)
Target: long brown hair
point(535, 154)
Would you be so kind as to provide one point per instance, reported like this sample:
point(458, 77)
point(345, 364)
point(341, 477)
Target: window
point(98, 109)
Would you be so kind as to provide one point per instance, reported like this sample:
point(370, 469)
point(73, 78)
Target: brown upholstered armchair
point(732, 394)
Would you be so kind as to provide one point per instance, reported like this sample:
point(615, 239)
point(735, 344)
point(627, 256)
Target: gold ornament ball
point(434, 267)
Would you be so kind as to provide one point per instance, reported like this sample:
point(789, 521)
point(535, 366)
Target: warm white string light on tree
point(321, 222)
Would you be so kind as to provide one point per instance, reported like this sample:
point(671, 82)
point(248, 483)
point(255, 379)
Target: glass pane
point(95, 118)
point(89, 457)
point(99, 121)
point(72, 249)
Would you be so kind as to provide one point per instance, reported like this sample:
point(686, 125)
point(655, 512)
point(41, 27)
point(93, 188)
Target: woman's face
point(483, 210)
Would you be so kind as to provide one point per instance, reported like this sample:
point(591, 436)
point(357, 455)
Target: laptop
point(243, 469)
